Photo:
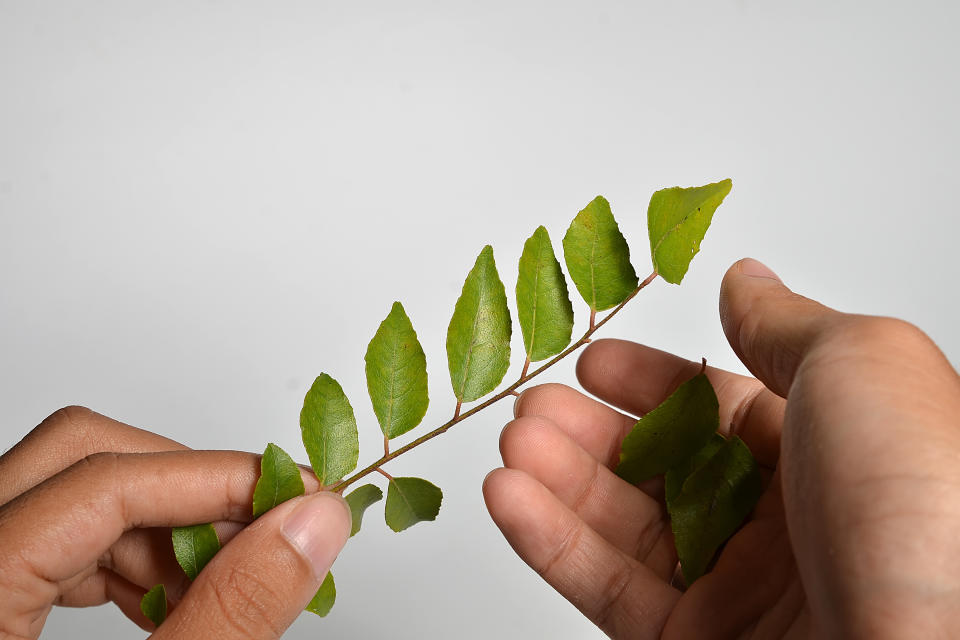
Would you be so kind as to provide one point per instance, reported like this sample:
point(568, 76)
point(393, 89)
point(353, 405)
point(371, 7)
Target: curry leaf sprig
point(711, 482)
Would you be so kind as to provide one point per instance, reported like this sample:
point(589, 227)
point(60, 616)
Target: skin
point(88, 503)
point(853, 419)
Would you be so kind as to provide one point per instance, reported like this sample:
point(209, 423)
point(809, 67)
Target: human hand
point(854, 419)
point(87, 506)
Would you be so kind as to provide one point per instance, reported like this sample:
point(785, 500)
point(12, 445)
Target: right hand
point(856, 420)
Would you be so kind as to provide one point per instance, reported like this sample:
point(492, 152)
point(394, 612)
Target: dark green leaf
point(598, 257)
point(359, 499)
point(672, 432)
point(194, 547)
point(677, 220)
point(478, 338)
point(279, 480)
point(411, 500)
point(326, 595)
point(397, 374)
point(712, 504)
point(329, 430)
point(543, 304)
point(675, 477)
point(154, 604)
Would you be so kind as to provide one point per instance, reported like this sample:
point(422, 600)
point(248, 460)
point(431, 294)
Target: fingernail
point(516, 405)
point(318, 527)
point(756, 269)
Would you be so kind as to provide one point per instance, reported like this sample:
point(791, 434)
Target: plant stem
point(525, 377)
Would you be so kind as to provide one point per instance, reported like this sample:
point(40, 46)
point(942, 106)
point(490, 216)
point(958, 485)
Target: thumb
point(258, 584)
point(769, 327)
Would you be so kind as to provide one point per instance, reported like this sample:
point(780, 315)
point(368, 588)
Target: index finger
point(63, 525)
point(637, 378)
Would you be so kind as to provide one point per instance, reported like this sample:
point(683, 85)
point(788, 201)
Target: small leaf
point(478, 338)
point(675, 477)
point(194, 547)
point(279, 480)
point(326, 595)
point(154, 604)
point(677, 220)
point(397, 374)
point(359, 499)
point(543, 304)
point(712, 505)
point(411, 500)
point(329, 430)
point(672, 432)
point(598, 257)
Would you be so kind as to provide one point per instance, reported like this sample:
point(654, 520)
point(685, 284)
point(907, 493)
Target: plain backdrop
point(203, 205)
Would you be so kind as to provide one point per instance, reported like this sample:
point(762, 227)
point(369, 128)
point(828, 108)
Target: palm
point(753, 591)
point(606, 545)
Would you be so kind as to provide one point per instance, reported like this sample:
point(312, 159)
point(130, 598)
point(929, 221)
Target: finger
point(63, 438)
point(143, 557)
point(637, 378)
point(66, 523)
point(106, 586)
point(620, 595)
point(769, 327)
point(259, 583)
point(597, 428)
point(630, 520)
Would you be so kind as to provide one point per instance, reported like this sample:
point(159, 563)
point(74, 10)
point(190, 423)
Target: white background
point(203, 205)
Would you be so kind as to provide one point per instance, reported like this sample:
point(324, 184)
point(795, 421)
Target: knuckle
point(877, 332)
point(67, 423)
point(100, 462)
point(247, 603)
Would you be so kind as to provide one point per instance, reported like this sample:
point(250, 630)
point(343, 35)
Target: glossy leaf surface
point(359, 500)
point(713, 503)
point(329, 430)
point(154, 604)
point(598, 257)
point(396, 369)
point(543, 303)
point(279, 480)
point(672, 432)
point(478, 338)
point(677, 220)
point(411, 500)
point(323, 599)
point(194, 547)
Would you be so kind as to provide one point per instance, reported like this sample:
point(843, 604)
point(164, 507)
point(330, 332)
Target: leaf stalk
point(511, 390)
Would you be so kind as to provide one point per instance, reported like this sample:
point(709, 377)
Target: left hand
point(87, 506)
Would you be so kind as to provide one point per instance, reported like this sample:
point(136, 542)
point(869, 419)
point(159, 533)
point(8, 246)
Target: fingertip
point(756, 269)
point(318, 527)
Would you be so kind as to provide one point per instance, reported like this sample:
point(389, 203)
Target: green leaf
point(194, 547)
point(543, 304)
point(279, 480)
point(677, 220)
point(478, 338)
point(672, 432)
point(397, 374)
point(329, 430)
point(326, 595)
point(712, 504)
point(675, 477)
point(359, 499)
point(411, 500)
point(598, 257)
point(154, 604)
